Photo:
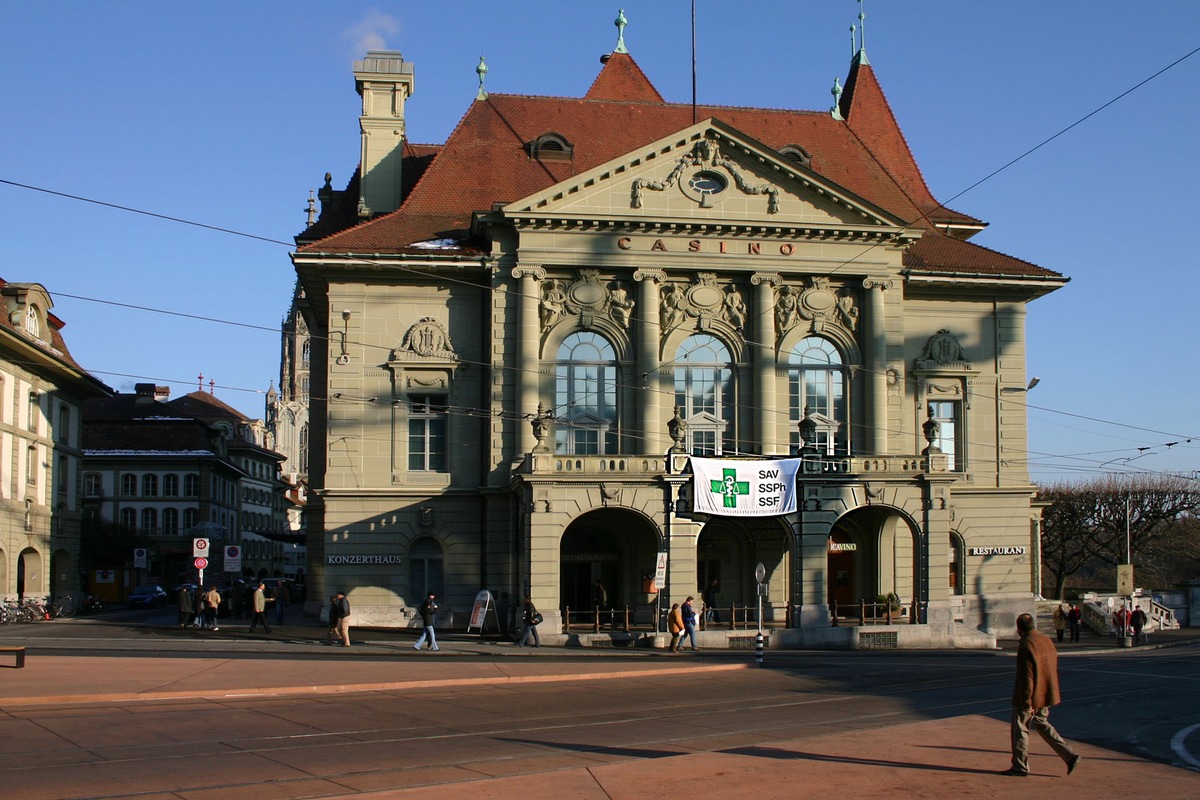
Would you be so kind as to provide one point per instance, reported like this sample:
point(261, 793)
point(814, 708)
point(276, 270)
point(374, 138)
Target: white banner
point(744, 488)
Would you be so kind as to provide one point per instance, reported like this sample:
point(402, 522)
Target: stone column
point(647, 376)
point(766, 414)
point(877, 427)
point(528, 337)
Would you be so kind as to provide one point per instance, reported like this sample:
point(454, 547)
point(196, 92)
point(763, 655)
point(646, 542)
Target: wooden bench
point(19, 654)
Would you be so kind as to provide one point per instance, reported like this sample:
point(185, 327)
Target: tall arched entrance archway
point(617, 547)
point(728, 550)
point(30, 580)
point(873, 551)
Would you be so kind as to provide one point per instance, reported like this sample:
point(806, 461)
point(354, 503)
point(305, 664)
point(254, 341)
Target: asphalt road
point(1144, 703)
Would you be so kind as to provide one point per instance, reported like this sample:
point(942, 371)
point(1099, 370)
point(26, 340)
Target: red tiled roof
point(485, 160)
point(621, 79)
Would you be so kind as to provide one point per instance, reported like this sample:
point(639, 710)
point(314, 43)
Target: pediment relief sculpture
point(703, 174)
point(943, 352)
point(428, 338)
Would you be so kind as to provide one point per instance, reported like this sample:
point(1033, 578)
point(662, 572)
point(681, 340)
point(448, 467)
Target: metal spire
point(862, 34)
point(481, 71)
point(621, 22)
point(836, 91)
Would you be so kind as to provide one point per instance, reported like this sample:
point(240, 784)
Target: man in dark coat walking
point(1035, 691)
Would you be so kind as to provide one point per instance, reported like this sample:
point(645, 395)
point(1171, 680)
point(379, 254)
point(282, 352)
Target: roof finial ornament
point(853, 42)
point(862, 34)
point(481, 71)
point(836, 91)
point(312, 209)
point(621, 22)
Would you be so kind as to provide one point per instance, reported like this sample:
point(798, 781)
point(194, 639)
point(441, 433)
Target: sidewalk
point(959, 756)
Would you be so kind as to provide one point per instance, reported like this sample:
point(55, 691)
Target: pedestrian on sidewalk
point(259, 604)
point(689, 622)
point(187, 611)
point(282, 598)
point(212, 603)
point(1060, 621)
point(1035, 691)
point(1074, 620)
point(428, 611)
point(530, 617)
point(1137, 621)
point(343, 622)
point(675, 626)
point(335, 611)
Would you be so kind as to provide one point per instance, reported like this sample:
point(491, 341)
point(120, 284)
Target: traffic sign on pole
point(199, 547)
point(201, 563)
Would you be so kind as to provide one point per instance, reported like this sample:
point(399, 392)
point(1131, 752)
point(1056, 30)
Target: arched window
point(306, 352)
point(170, 521)
point(170, 485)
point(817, 382)
point(704, 394)
point(149, 486)
point(91, 485)
point(585, 396)
point(425, 570)
point(191, 517)
point(129, 519)
point(191, 485)
point(304, 449)
point(149, 520)
point(129, 485)
point(957, 563)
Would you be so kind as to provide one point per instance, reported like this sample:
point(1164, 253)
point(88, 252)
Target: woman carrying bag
point(531, 618)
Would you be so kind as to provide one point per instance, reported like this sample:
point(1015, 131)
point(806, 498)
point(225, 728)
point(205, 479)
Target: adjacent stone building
point(521, 336)
point(42, 389)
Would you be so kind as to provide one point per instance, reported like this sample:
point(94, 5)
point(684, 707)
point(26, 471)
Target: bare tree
point(1100, 519)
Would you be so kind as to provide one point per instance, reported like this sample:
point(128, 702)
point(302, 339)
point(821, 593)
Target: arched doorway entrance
point(728, 550)
point(616, 547)
point(29, 573)
point(876, 548)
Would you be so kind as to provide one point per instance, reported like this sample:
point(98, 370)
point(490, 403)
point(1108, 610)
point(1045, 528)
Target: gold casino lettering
point(721, 246)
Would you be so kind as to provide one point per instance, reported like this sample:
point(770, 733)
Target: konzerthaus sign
point(331, 560)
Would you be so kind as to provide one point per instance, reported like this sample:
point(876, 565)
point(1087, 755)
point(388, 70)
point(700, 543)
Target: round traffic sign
point(233, 551)
point(201, 544)
point(760, 572)
point(201, 563)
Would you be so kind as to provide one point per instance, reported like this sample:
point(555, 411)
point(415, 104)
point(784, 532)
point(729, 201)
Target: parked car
point(148, 594)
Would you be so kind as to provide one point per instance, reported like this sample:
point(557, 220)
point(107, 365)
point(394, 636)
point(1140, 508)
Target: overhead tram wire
point(440, 277)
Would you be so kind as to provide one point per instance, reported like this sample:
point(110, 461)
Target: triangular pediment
point(706, 174)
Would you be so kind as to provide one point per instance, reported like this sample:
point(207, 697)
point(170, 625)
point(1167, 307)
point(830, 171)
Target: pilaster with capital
point(876, 341)
point(649, 334)
point(529, 327)
point(766, 423)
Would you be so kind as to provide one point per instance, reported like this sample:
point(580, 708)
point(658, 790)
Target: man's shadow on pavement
point(775, 752)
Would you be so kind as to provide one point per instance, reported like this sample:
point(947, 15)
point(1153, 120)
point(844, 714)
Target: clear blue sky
point(228, 113)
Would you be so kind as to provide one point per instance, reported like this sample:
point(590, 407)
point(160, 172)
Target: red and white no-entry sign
point(201, 563)
point(199, 547)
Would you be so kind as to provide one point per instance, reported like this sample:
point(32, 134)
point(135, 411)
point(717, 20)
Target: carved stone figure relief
point(735, 307)
point(704, 301)
point(620, 304)
point(943, 351)
point(554, 302)
point(428, 338)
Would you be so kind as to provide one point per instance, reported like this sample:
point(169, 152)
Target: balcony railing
point(898, 466)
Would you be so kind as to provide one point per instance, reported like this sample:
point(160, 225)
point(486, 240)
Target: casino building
point(520, 339)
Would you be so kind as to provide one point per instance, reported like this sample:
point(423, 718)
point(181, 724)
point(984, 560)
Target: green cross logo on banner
point(729, 487)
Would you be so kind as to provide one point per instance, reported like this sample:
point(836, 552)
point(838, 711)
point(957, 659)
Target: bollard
point(758, 648)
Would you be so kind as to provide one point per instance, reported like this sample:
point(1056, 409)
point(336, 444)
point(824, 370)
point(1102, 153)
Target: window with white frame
point(191, 485)
point(816, 383)
point(149, 520)
point(427, 418)
point(425, 569)
point(35, 411)
point(149, 486)
point(129, 484)
point(170, 485)
point(170, 521)
point(92, 485)
point(948, 415)
point(128, 519)
point(704, 394)
point(191, 517)
point(585, 396)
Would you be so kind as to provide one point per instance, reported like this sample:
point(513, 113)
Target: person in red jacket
point(1035, 691)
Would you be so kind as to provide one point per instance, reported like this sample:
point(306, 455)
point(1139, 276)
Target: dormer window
point(551, 147)
point(796, 154)
point(33, 323)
